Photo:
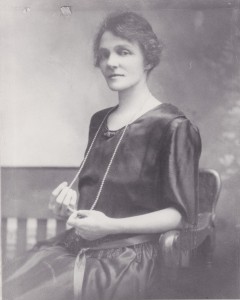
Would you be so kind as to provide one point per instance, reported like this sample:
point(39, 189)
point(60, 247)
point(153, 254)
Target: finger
point(60, 198)
point(58, 189)
point(71, 223)
point(71, 210)
point(67, 198)
point(75, 219)
point(66, 202)
point(72, 220)
point(84, 213)
point(73, 201)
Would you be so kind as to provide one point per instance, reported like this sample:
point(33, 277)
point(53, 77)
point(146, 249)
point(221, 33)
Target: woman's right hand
point(63, 197)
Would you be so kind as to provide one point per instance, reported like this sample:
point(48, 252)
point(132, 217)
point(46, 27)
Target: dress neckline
point(134, 121)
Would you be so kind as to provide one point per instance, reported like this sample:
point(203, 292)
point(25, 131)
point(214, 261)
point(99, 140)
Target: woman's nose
point(112, 60)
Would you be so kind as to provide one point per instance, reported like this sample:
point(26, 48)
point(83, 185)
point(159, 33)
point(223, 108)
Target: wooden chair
point(180, 247)
point(25, 194)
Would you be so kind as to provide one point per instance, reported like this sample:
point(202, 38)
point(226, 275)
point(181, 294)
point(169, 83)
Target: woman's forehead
point(109, 40)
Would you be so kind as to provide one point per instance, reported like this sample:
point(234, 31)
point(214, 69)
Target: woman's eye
point(124, 52)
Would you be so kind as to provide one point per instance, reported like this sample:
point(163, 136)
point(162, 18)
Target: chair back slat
point(25, 195)
point(4, 236)
point(21, 235)
point(41, 229)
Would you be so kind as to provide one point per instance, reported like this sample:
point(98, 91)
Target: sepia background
point(50, 89)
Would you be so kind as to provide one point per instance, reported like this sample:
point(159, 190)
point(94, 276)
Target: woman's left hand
point(90, 224)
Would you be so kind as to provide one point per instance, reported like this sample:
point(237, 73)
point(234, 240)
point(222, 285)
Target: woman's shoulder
point(174, 115)
point(170, 111)
point(181, 128)
point(99, 116)
point(175, 120)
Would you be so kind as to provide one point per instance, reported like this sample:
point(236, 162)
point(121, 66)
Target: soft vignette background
point(49, 90)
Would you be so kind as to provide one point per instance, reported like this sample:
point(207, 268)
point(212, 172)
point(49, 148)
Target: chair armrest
point(174, 243)
point(170, 248)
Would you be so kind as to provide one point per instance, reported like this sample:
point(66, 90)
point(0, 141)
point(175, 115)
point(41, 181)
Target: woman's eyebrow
point(116, 46)
point(124, 46)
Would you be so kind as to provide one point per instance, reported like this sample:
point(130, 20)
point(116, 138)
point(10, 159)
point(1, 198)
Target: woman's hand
point(62, 198)
point(90, 224)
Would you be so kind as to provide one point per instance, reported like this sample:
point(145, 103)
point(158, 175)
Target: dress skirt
point(50, 271)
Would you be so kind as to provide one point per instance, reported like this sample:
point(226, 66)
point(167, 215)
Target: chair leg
point(207, 249)
point(185, 259)
point(210, 249)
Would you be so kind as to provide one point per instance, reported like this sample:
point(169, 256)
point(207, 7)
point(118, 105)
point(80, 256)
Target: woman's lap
point(47, 273)
point(39, 274)
point(126, 275)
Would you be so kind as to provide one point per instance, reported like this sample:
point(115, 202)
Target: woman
point(138, 179)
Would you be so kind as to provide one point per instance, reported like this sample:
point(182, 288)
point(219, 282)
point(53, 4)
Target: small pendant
point(108, 134)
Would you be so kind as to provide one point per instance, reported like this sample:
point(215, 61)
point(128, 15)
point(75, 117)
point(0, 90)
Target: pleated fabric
point(47, 273)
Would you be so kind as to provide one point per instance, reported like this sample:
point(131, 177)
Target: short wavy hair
point(134, 28)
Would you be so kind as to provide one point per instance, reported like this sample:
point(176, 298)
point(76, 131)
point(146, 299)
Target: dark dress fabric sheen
point(156, 166)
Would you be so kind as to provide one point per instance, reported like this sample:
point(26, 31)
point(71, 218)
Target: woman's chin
point(116, 87)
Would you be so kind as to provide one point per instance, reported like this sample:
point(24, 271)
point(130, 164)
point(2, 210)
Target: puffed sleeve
point(181, 167)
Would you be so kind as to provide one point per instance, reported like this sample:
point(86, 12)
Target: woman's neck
point(135, 97)
point(133, 103)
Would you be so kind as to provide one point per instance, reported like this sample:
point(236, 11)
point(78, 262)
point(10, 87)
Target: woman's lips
point(115, 75)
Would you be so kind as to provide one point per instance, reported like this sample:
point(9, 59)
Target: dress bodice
point(156, 165)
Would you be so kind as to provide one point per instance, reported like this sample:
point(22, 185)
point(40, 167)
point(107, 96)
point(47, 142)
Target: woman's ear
point(148, 67)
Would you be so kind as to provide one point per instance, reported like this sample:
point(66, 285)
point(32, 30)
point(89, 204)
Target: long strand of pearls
point(89, 150)
point(111, 160)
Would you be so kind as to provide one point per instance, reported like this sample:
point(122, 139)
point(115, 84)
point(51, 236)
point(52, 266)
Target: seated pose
point(138, 179)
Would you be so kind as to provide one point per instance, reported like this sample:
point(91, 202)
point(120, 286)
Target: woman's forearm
point(92, 225)
point(155, 222)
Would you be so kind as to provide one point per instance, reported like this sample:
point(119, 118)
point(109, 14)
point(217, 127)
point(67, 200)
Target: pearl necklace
point(112, 157)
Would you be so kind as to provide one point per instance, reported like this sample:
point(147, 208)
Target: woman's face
point(121, 62)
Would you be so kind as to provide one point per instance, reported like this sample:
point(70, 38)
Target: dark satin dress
point(156, 166)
